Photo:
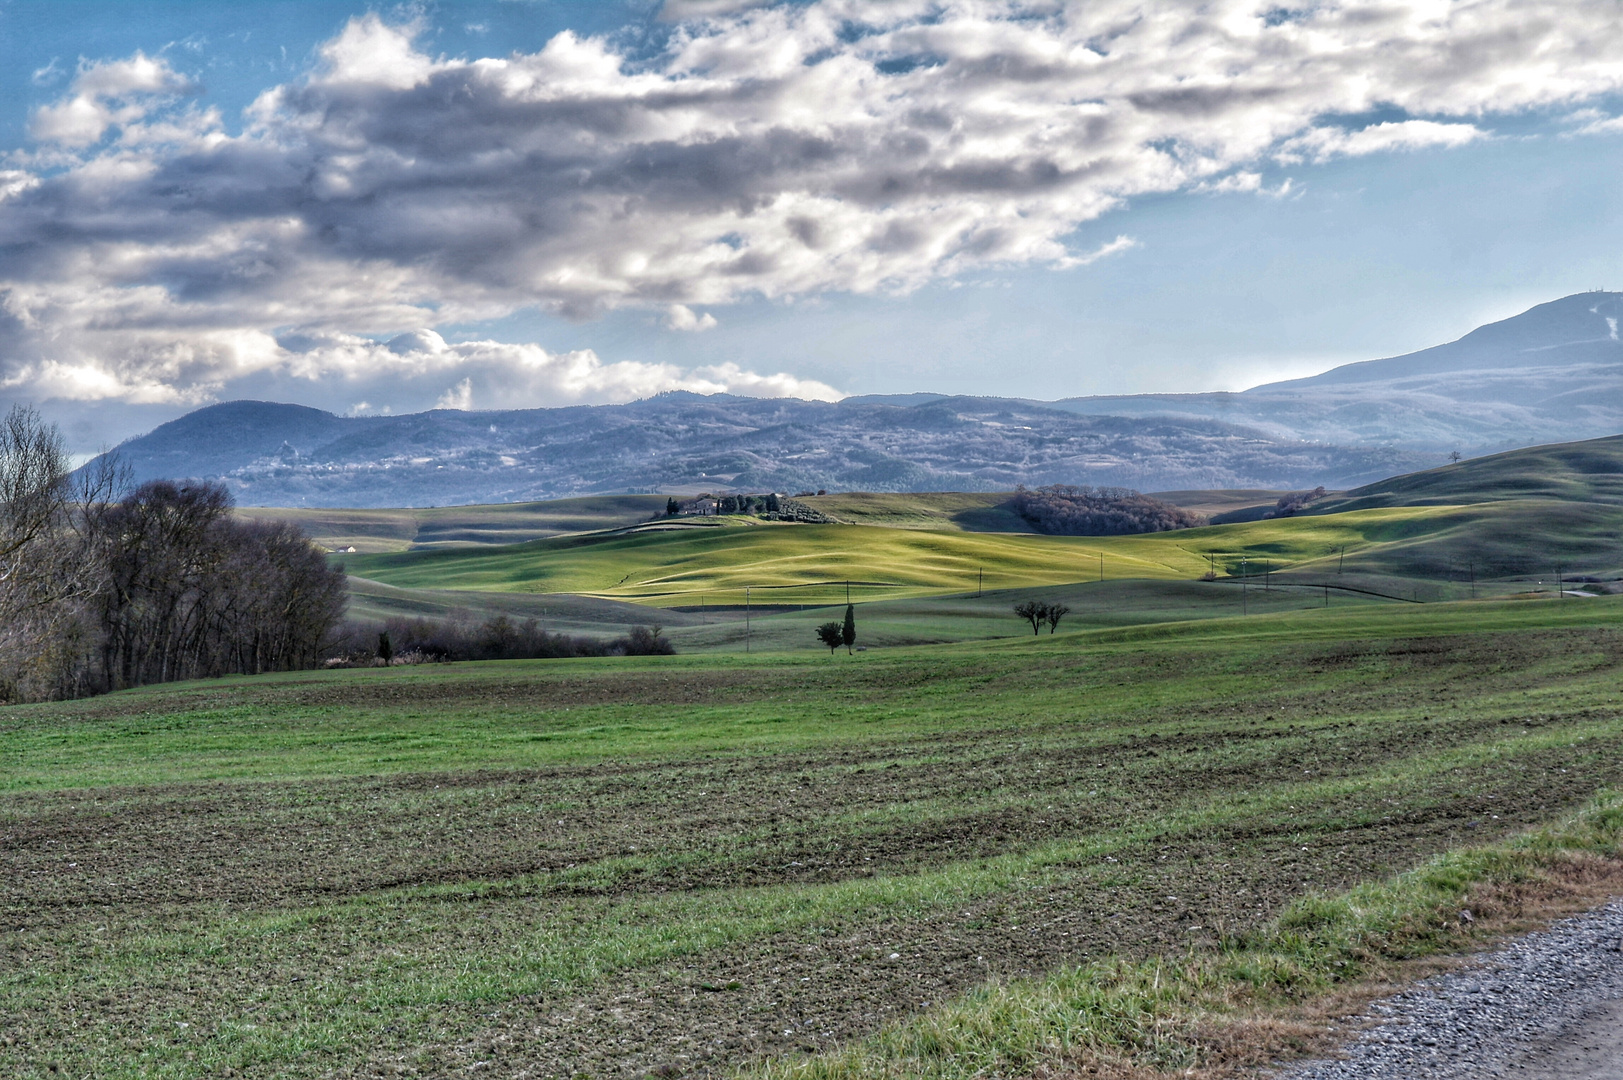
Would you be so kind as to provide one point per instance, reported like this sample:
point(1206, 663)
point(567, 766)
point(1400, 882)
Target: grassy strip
point(384, 722)
point(1174, 1014)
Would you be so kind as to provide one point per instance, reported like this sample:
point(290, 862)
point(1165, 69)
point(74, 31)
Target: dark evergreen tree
point(848, 632)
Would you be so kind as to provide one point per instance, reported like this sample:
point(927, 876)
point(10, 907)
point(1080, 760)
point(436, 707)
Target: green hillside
point(450, 526)
point(945, 511)
point(1590, 471)
point(798, 564)
point(948, 566)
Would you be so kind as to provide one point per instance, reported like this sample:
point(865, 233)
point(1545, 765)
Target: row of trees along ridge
point(104, 587)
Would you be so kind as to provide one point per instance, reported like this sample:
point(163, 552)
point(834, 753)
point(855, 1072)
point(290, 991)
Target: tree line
point(422, 640)
point(1068, 510)
point(105, 585)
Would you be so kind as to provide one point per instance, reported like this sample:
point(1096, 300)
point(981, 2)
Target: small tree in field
point(385, 647)
point(831, 634)
point(1034, 612)
point(848, 632)
point(1054, 614)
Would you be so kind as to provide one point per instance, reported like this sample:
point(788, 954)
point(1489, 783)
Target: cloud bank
point(149, 252)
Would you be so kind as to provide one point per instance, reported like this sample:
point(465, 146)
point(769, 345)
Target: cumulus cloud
point(102, 95)
point(682, 317)
point(501, 375)
point(769, 150)
point(1595, 122)
point(1322, 144)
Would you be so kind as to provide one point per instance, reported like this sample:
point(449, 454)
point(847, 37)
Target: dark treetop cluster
point(1066, 510)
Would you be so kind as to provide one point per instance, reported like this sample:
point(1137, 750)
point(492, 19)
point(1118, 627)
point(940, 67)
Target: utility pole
point(1327, 596)
point(1267, 575)
point(1343, 561)
point(980, 580)
point(1560, 589)
point(1101, 566)
point(847, 592)
point(746, 618)
point(1245, 602)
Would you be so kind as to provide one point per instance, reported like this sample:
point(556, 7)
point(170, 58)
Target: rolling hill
point(1590, 471)
point(1554, 372)
point(936, 567)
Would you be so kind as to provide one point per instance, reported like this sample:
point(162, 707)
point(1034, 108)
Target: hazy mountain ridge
point(1551, 374)
point(1554, 373)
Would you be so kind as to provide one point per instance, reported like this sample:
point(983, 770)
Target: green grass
point(1590, 471)
point(941, 511)
point(307, 724)
point(566, 865)
point(453, 526)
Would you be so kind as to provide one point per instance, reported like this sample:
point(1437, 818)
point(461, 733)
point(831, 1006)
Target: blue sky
point(450, 204)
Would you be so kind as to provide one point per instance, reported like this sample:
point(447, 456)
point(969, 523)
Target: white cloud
point(1323, 143)
point(682, 317)
point(1245, 182)
point(104, 94)
point(1595, 122)
point(458, 397)
point(775, 151)
point(1108, 248)
point(501, 375)
point(49, 74)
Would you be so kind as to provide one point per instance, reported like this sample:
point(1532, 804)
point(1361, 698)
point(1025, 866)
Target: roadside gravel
point(1549, 1006)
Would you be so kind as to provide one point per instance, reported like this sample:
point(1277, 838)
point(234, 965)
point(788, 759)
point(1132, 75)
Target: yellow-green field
point(714, 562)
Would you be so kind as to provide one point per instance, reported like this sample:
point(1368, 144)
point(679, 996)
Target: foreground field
point(601, 868)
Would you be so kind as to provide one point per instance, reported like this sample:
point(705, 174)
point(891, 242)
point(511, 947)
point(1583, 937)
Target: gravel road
point(1547, 1007)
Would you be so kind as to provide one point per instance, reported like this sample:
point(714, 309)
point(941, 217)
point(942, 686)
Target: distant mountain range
point(1554, 373)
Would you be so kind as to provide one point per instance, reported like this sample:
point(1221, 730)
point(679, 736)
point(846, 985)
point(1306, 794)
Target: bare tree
point(100, 591)
point(1054, 614)
point(40, 577)
point(1033, 611)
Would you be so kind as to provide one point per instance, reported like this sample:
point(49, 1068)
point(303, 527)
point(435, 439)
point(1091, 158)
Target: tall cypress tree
point(848, 633)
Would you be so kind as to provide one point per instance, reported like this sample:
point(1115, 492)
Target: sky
point(519, 203)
